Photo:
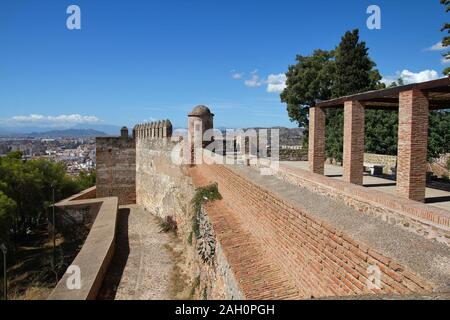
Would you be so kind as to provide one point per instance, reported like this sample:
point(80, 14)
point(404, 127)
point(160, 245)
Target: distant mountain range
point(79, 130)
point(75, 133)
point(66, 133)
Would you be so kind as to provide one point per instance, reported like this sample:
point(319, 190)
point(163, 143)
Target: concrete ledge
point(97, 251)
point(89, 193)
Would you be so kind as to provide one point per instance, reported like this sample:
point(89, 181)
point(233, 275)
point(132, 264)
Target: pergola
point(413, 101)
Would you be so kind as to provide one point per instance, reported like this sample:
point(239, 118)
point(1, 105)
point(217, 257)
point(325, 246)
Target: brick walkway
point(275, 254)
point(258, 276)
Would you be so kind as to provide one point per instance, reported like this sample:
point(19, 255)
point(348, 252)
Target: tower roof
point(200, 111)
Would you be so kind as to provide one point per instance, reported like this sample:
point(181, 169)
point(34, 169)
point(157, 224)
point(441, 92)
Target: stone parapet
point(95, 256)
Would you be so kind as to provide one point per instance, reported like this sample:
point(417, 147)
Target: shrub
point(202, 196)
point(189, 240)
point(169, 224)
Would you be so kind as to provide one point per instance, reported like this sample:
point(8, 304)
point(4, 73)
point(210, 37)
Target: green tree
point(354, 73)
point(21, 183)
point(30, 184)
point(85, 180)
point(308, 81)
point(332, 74)
point(7, 210)
point(354, 69)
point(381, 132)
point(446, 39)
point(438, 134)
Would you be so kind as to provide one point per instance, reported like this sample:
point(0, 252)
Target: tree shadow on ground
point(31, 274)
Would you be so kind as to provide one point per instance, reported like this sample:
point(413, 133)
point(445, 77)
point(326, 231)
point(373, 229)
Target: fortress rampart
point(271, 241)
point(165, 190)
point(317, 256)
point(116, 168)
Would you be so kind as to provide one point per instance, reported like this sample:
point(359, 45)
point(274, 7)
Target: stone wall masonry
point(217, 277)
point(389, 162)
point(162, 186)
point(443, 160)
point(287, 154)
point(319, 259)
point(116, 168)
point(165, 189)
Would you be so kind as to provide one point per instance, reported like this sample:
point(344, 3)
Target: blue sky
point(137, 60)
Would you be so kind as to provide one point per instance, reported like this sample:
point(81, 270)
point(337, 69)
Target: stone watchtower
point(124, 132)
point(200, 119)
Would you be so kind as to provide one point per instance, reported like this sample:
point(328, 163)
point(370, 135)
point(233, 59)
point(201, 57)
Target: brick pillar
point(353, 142)
point(316, 149)
point(412, 145)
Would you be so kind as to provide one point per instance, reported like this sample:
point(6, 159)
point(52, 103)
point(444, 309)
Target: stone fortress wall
point(265, 246)
point(116, 167)
point(165, 190)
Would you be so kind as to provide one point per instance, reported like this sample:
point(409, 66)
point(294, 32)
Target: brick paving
point(278, 252)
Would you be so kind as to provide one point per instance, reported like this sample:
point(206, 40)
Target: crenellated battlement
point(153, 130)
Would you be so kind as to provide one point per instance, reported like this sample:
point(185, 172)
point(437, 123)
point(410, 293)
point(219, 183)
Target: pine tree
point(354, 73)
point(446, 40)
point(308, 81)
point(354, 69)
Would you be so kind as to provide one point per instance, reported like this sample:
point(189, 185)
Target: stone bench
point(374, 169)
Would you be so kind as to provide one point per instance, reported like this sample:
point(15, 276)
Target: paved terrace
point(434, 197)
point(413, 102)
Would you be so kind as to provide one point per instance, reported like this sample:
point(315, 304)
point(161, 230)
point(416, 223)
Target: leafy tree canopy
point(446, 39)
point(344, 71)
point(307, 82)
point(7, 209)
point(26, 189)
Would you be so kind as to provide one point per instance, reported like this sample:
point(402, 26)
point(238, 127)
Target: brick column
point(316, 148)
point(412, 145)
point(353, 142)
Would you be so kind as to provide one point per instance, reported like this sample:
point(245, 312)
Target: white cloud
point(422, 76)
point(436, 47)
point(59, 119)
point(254, 81)
point(445, 60)
point(236, 75)
point(276, 82)
point(411, 77)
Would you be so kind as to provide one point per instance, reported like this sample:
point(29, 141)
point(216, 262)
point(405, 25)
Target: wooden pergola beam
point(435, 87)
